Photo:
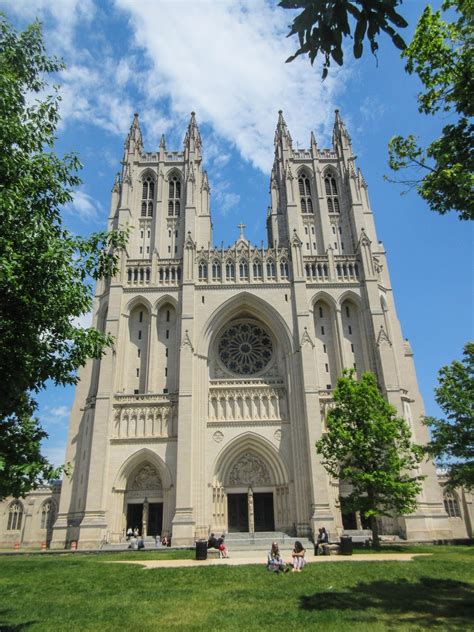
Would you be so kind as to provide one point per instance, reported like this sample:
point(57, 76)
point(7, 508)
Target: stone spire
point(340, 137)
point(134, 141)
point(192, 140)
point(282, 134)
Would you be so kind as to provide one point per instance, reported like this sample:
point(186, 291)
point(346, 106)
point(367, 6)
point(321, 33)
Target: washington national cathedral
point(225, 359)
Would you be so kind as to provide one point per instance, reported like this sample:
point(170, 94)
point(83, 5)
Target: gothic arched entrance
point(250, 490)
point(144, 500)
point(250, 503)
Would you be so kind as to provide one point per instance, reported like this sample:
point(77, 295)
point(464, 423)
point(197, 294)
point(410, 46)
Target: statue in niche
point(249, 470)
point(147, 478)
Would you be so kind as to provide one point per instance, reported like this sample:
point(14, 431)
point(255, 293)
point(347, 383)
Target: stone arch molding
point(254, 307)
point(250, 460)
point(142, 465)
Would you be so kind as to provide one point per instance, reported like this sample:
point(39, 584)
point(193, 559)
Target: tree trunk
point(375, 532)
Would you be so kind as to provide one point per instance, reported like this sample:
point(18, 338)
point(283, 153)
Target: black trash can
point(345, 546)
point(201, 550)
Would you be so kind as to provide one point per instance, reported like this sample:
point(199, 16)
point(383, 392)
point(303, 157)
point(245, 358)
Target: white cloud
point(84, 206)
point(225, 200)
point(225, 60)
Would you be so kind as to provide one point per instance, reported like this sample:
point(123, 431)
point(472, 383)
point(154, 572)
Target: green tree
point(452, 439)
point(46, 273)
point(368, 446)
point(322, 25)
point(441, 54)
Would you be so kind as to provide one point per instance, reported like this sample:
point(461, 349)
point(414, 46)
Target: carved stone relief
point(146, 478)
point(249, 470)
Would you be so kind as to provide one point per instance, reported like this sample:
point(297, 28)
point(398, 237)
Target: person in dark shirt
point(212, 543)
point(323, 538)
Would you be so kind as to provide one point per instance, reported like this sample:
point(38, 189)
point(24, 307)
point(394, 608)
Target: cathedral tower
point(204, 414)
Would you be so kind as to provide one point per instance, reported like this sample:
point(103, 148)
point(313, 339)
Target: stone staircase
point(260, 541)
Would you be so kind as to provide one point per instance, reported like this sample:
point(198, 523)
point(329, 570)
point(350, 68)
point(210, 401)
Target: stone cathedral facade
point(205, 413)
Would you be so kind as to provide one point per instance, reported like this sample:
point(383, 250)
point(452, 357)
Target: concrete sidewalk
point(258, 557)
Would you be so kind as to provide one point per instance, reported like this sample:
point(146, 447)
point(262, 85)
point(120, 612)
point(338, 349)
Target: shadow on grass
point(12, 627)
point(428, 602)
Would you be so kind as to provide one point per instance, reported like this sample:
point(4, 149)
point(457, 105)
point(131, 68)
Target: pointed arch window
point(451, 504)
point(332, 194)
point(47, 514)
point(284, 269)
point(148, 196)
point(229, 271)
point(203, 271)
point(305, 194)
point(216, 271)
point(174, 197)
point(244, 270)
point(15, 516)
point(270, 269)
point(257, 269)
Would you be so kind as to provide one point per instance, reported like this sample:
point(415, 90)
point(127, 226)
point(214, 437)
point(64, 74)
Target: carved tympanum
point(249, 470)
point(146, 478)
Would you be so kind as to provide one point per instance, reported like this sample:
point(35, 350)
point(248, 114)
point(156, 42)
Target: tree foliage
point(441, 54)
point(452, 439)
point(369, 447)
point(46, 273)
point(322, 25)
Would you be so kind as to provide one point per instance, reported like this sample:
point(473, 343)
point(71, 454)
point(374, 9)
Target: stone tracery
point(245, 348)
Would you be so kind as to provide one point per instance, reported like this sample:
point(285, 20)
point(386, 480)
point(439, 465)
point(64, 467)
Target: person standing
point(223, 550)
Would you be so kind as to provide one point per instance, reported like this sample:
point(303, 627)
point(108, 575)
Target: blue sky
point(225, 60)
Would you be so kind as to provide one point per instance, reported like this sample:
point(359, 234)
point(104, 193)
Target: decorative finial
point(241, 228)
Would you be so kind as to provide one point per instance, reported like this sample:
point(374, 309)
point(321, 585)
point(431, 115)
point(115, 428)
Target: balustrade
point(139, 417)
point(254, 402)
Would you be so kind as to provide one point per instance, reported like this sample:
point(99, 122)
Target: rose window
point(245, 348)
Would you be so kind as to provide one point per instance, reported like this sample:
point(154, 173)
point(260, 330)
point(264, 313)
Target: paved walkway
point(259, 557)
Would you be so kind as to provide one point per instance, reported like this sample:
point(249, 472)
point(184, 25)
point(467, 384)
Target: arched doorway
point(144, 500)
point(250, 502)
point(250, 489)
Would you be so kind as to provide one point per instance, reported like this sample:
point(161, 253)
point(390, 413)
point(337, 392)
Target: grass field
point(84, 592)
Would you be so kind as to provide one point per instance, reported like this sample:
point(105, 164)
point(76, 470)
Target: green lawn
point(83, 592)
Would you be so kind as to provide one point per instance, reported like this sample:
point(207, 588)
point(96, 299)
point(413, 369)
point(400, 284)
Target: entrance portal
point(134, 516)
point(263, 510)
point(155, 518)
point(238, 512)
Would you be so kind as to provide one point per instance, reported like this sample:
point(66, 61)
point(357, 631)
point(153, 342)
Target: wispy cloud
point(85, 207)
point(228, 65)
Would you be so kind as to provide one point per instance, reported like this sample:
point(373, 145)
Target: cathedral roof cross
point(241, 228)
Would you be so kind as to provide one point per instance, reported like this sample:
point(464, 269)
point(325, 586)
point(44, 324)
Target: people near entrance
point(158, 541)
point(323, 538)
point(297, 556)
point(164, 541)
point(213, 542)
point(129, 533)
point(133, 543)
point(275, 562)
point(223, 550)
point(140, 543)
point(136, 532)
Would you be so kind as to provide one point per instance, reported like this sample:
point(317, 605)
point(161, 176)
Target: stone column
point(145, 518)
point(251, 511)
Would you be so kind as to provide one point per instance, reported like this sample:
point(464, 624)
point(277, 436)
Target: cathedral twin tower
point(224, 360)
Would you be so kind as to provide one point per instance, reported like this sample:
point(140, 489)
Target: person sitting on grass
point(223, 550)
point(275, 562)
point(297, 556)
